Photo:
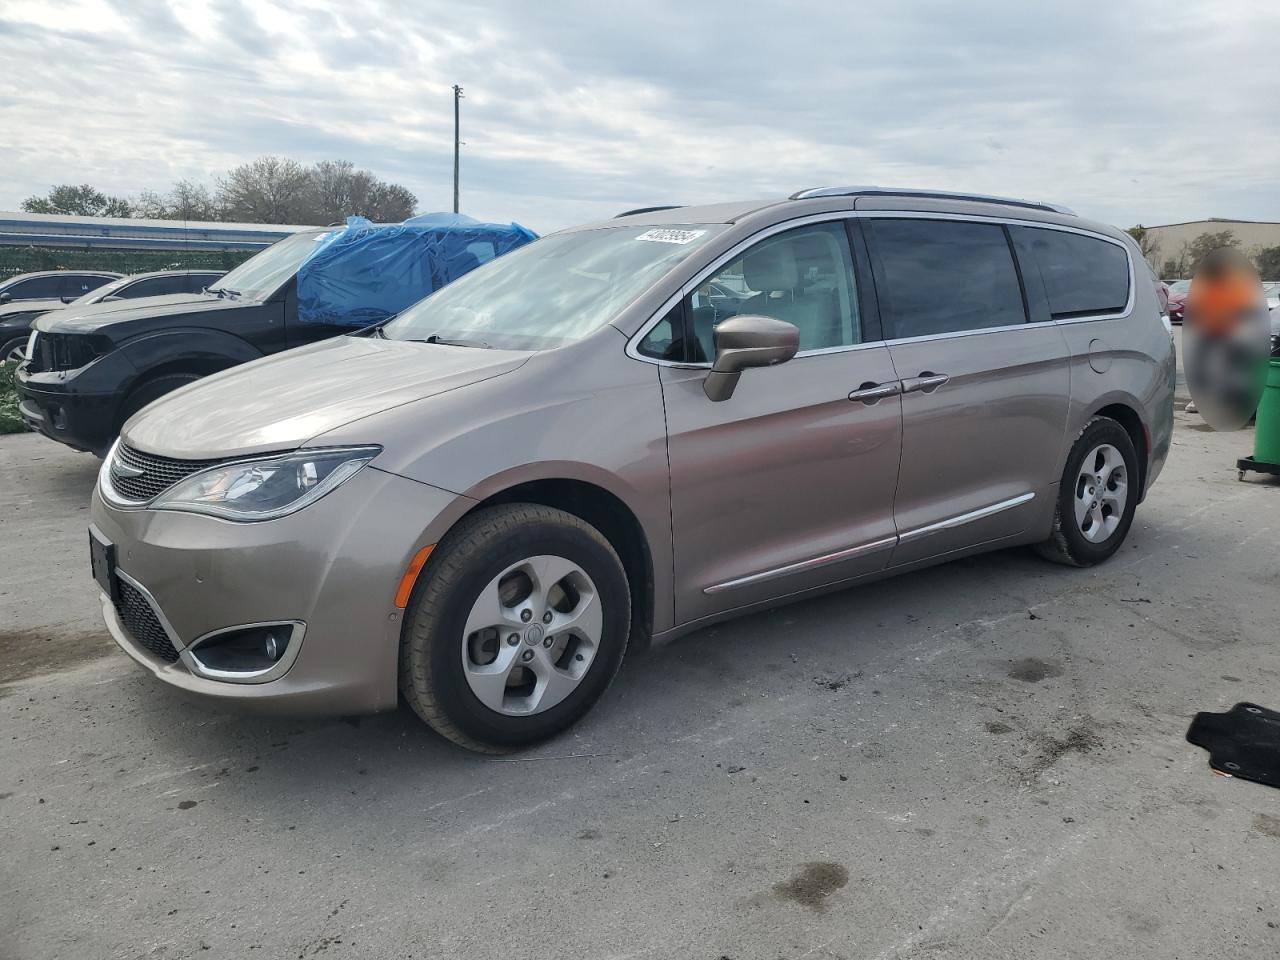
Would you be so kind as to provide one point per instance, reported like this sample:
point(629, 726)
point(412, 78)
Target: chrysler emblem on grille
point(128, 472)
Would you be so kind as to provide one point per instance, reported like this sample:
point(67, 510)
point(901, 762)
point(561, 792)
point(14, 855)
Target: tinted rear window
point(944, 276)
point(1082, 275)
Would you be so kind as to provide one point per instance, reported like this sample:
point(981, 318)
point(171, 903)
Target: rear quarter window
point(1083, 276)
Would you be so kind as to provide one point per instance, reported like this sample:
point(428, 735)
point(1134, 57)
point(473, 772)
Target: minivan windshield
point(553, 291)
point(263, 273)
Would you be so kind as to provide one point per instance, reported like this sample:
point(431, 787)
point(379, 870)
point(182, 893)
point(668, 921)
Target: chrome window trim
point(729, 256)
point(298, 630)
point(147, 595)
point(872, 546)
point(632, 348)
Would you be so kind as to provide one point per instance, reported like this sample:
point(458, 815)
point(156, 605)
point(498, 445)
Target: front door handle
point(927, 382)
point(870, 392)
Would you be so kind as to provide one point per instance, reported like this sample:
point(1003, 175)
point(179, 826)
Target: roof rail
point(639, 210)
point(874, 191)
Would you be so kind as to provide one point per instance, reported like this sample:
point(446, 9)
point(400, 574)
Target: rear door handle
point(927, 382)
point(870, 392)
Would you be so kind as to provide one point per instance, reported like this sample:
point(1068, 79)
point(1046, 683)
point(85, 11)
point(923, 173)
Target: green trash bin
point(1266, 436)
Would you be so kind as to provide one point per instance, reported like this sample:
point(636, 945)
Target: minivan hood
point(282, 401)
point(92, 317)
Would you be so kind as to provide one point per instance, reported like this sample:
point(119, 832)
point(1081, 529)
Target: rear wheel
point(1097, 497)
point(517, 625)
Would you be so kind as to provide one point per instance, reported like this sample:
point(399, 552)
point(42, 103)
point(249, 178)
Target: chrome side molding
point(811, 564)
point(958, 521)
point(873, 546)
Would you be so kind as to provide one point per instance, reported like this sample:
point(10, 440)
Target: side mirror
point(6, 297)
point(111, 298)
point(744, 342)
point(66, 299)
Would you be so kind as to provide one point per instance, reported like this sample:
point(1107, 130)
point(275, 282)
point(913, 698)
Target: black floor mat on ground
point(1244, 742)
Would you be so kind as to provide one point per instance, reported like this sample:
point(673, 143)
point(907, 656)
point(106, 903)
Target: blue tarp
point(367, 272)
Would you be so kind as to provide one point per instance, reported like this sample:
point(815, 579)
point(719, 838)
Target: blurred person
point(1224, 339)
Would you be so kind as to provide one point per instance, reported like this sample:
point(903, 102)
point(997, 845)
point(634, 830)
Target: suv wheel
point(153, 390)
point(1097, 497)
point(516, 626)
point(14, 350)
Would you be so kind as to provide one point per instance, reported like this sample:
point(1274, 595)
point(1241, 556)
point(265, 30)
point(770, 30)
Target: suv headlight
point(266, 488)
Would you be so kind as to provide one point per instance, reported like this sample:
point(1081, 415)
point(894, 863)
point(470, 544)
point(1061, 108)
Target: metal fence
point(15, 260)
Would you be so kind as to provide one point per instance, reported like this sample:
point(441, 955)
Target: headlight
point(31, 344)
point(267, 488)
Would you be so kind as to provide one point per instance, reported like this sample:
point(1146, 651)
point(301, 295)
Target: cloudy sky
point(1127, 111)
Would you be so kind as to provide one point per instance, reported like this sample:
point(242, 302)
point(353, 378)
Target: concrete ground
point(983, 760)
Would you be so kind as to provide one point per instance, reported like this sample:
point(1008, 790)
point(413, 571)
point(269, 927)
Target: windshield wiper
point(219, 291)
point(436, 338)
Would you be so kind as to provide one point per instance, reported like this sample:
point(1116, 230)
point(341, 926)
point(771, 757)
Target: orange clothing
point(1216, 304)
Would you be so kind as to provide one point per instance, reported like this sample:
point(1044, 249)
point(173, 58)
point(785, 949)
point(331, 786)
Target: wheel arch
point(1127, 415)
point(609, 514)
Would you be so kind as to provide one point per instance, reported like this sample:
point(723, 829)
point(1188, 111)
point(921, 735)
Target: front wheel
point(14, 350)
point(517, 625)
point(1096, 498)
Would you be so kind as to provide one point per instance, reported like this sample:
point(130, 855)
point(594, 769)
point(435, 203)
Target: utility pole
point(457, 95)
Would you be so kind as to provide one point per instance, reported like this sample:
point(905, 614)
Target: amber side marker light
point(411, 575)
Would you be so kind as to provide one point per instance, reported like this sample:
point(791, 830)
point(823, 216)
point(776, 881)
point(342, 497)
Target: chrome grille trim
point(137, 477)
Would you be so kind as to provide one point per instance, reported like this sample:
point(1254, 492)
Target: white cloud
point(1128, 112)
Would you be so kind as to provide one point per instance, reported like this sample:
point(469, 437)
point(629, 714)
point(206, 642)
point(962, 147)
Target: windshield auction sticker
point(671, 236)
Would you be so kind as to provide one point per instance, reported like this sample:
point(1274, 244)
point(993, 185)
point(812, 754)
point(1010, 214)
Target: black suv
point(90, 369)
point(25, 297)
point(16, 319)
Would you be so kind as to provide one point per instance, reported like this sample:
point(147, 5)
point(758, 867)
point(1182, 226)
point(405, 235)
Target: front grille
point(158, 473)
point(61, 351)
point(143, 624)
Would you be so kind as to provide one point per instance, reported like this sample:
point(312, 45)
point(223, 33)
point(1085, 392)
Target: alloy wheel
point(1102, 491)
point(531, 635)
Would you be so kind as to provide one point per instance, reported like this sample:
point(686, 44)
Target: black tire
point(1068, 545)
point(152, 390)
point(432, 678)
point(13, 343)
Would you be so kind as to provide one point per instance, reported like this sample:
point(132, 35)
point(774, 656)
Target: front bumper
point(332, 567)
point(50, 403)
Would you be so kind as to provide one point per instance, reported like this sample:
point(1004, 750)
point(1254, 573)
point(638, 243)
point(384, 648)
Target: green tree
point(79, 201)
point(1147, 243)
point(1268, 261)
point(1206, 243)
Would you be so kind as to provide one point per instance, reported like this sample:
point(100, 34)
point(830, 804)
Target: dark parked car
point(16, 319)
point(1178, 291)
point(24, 297)
point(88, 370)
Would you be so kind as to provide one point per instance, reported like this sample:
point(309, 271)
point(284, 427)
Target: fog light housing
point(254, 653)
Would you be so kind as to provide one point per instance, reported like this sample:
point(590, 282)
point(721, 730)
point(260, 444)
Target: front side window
point(803, 276)
point(944, 276)
point(1082, 275)
point(552, 291)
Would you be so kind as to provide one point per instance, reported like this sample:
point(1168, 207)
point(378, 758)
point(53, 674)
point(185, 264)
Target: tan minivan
point(632, 429)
